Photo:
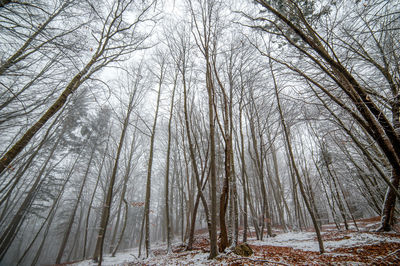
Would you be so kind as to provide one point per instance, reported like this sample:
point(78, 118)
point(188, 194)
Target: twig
point(388, 255)
point(136, 258)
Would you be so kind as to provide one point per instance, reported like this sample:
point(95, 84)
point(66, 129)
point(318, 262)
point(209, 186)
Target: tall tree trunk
point(166, 181)
point(72, 217)
point(149, 166)
point(9, 234)
point(50, 216)
point(98, 252)
point(122, 230)
point(213, 176)
point(75, 250)
point(265, 214)
point(113, 249)
point(224, 198)
point(300, 183)
point(193, 158)
point(387, 220)
point(243, 175)
point(235, 211)
point(21, 171)
point(92, 199)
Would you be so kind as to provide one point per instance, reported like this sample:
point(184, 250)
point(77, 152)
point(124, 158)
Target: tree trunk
point(113, 249)
point(149, 167)
point(10, 155)
point(122, 230)
point(9, 234)
point(193, 158)
point(224, 198)
point(166, 181)
point(72, 217)
point(92, 199)
point(50, 216)
point(21, 171)
point(243, 175)
point(300, 183)
point(98, 252)
point(389, 204)
point(213, 176)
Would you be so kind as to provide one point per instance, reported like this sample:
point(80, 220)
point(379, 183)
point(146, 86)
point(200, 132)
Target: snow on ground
point(302, 242)
point(122, 258)
point(307, 241)
point(130, 258)
point(296, 240)
point(357, 239)
point(364, 226)
point(185, 258)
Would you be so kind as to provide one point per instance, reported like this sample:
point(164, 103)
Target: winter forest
point(126, 125)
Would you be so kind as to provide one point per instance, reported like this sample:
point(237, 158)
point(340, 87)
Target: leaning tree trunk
point(9, 234)
point(21, 171)
point(113, 249)
point(98, 252)
point(122, 230)
point(50, 216)
point(72, 217)
point(92, 199)
point(194, 166)
point(290, 151)
point(387, 220)
point(10, 155)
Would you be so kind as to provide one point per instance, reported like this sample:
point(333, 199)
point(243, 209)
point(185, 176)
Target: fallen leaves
point(363, 247)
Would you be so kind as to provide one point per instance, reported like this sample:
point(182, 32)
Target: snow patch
point(358, 239)
point(297, 240)
point(119, 259)
point(306, 241)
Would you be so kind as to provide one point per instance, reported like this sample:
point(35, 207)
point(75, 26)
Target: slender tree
point(146, 215)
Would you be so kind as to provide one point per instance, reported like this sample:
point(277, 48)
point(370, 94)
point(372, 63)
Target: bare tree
point(134, 93)
point(368, 112)
point(107, 51)
point(160, 77)
point(167, 167)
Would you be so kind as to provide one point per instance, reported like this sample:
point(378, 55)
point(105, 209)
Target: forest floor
point(346, 247)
